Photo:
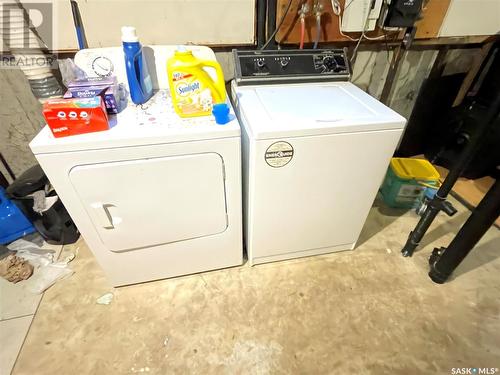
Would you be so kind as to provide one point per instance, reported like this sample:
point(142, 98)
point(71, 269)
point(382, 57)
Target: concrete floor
point(369, 311)
point(18, 306)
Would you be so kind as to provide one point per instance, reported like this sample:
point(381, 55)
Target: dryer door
point(139, 203)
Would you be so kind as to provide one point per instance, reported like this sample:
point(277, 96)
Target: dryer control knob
point(260, 64)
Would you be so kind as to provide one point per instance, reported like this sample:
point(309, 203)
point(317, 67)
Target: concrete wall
point(370, 70)
point(371, 67)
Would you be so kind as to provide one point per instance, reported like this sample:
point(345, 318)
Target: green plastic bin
point(406, 180)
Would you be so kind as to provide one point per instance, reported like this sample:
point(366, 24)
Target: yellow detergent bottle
point(193, 90)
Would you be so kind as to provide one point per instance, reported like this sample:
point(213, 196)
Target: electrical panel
point(359, 15)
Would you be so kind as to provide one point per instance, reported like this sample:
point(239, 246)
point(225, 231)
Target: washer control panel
point(282, 66)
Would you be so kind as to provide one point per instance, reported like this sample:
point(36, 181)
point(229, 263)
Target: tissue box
point(75, 116)
point(106, 87)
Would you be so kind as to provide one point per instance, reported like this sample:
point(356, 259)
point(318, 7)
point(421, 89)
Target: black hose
point(261, 22)
point(278, 26)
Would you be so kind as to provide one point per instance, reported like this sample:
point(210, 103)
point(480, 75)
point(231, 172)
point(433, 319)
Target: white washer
point(314, 153)
point(156, 196)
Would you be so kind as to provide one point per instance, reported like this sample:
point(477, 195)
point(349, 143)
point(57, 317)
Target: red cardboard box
point(75, 116)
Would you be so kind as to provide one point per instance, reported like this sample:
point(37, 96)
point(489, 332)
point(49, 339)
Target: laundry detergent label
point(279, 154)
point(191, 95)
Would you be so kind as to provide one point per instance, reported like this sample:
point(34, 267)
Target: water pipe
point(318, 10)
point(303, 11)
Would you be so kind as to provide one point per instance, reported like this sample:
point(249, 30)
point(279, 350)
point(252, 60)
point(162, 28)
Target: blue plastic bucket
point(13, 223)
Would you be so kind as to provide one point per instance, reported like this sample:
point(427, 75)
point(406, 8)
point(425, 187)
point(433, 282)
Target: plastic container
point(193, 90)
point(406, 180)
point(13, 223)
point(54, 224)
point(139, 80)
point(221, 113)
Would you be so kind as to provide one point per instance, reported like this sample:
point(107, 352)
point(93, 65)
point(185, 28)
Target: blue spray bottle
point(139, 80)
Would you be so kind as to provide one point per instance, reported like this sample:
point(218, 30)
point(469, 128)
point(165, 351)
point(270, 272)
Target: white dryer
point(315, 151)
point(156, 196)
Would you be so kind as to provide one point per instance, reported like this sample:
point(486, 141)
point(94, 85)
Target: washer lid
point(312, 109)
point(154, 122)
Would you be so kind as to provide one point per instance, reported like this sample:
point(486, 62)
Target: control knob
point(340, 65)
point(329, 63)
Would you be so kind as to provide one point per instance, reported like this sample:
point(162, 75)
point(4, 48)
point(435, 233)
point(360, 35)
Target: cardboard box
point(106, 87)
point(73, 116)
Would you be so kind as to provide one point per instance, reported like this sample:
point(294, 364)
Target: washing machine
point(315, 151)
point(156, 196)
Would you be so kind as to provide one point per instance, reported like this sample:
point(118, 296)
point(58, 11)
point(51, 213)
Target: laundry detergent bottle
point(139, 80)
point(193, 90)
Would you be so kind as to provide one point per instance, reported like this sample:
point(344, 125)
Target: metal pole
point(438, 203)
point(445, 260)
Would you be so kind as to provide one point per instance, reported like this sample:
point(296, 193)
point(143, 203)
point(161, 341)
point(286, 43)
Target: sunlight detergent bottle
point(139, 80)
point(193, 90)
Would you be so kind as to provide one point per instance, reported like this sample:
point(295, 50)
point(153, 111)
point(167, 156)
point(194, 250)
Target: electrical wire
point(337, 10)
point(336, 5)
point(363, 33)
point(380, 37)
point(342, 33)
point(302, 32)
point(348, 4)
point(353, 57)
point(318, 31)
point(387, 48)
point(355, 51)
point(278, 26)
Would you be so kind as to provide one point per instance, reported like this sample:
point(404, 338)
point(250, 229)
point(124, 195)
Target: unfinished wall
point(226, 62)
point(20, 120)
point(413, 70)
point(370, 70)
point(371, 67)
